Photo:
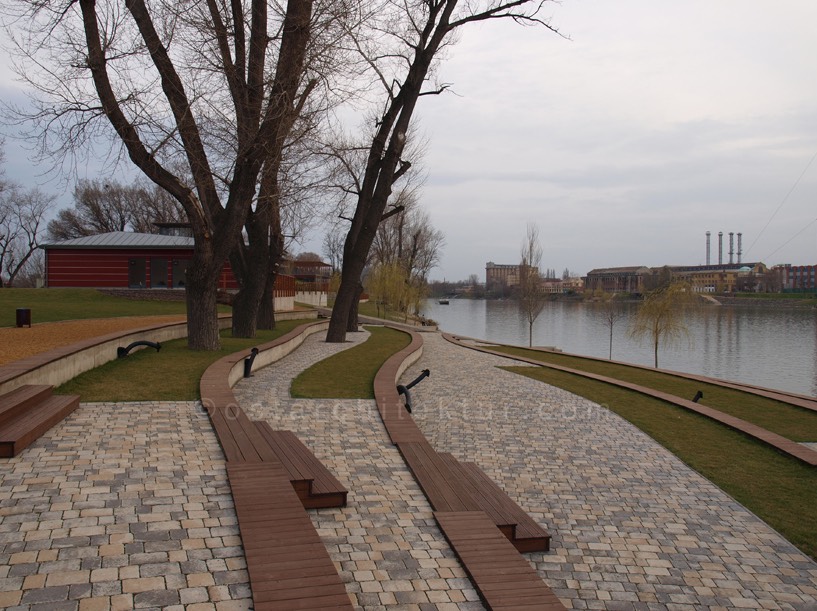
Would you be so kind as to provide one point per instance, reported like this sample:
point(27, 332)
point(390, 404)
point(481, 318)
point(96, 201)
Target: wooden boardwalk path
point(273, 478)
point(484, 526)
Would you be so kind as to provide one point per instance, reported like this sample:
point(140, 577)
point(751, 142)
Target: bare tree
point(105, 206)
point(21, 219)
point(409, 243)
point(530, 293)
point(210, 87)
point(405, 39)
point(611, 313)
point(333, 248)
point(660, 317)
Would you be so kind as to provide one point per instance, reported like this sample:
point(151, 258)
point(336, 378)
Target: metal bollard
point(248, 362)
point(404, 390)
point(123, 352)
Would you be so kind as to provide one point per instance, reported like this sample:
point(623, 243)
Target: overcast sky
point(654, 122)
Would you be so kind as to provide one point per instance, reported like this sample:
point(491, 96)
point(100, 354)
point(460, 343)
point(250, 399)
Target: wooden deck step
point(503, 578)
point(240, 439)
point(443, 487)
point(20, 431)
point(514, 522)
point(313, 482)
point(21, 399)
point(288, 565)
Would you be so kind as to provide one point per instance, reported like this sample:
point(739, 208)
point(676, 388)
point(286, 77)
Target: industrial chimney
point(731, 246)
point(720, 248)
point(740, 247)
point(708, 233)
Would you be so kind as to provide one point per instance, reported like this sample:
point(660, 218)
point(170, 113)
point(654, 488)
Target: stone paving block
point(113, 484)
point(386, 527)
point(621, 509)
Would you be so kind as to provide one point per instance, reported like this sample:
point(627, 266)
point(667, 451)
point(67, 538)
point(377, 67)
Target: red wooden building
point(124, 259)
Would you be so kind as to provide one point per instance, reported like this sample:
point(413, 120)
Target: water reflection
point(774, 348)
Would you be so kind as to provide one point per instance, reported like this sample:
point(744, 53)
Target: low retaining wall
point(57, 366)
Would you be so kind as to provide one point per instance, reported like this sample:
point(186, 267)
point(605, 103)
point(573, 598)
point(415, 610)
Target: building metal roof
point(124, 239)
point(617, 270)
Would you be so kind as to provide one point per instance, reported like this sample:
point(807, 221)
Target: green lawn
point(172, 374)
point(350, 374)
point(51, 305)
point(792, 422)
point(779, 489)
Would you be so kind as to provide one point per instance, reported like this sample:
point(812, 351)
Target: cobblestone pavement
point(389, 549)
point(121, 506)
point(127, 505)
point(632, 526)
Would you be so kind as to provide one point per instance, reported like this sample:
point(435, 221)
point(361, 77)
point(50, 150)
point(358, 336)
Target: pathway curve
point(388, 547)
point(633, 527)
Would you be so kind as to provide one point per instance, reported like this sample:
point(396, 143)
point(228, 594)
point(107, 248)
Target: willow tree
point(660, 318)
point(199, 96)
point(403, 41)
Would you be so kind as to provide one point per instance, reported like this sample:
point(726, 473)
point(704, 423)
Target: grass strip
point(774, 486)
point(790, 421)
point(350, 374)
point(52, 305)
point(172, 374)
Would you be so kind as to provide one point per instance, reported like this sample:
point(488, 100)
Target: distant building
point(617, 279)
point(724, 278)
point(500, 277)
point(572, 285)
point(796, 278)
point(124, 259)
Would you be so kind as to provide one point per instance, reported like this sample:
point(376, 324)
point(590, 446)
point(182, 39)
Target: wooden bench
point(29, 411)
point(514, 522)
point(444, 490)
point(452, 486)
point(288, 565)
point(503, 578)
point(312, 481)
point(485, 527)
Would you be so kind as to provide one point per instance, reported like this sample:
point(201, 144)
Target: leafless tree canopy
point(21, 219)
point(105, 206)
point(408, 239)
point(201, 96)
point(530, 293)
point(400, 47)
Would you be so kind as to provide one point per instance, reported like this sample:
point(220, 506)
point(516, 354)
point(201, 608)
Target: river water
point(776, 348)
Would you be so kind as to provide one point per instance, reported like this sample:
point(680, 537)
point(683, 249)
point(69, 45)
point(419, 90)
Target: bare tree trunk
point(353, 325)
point(344, 312)
point(247, 303)
point(266, 312)
point(610, 357)
point(202, 309)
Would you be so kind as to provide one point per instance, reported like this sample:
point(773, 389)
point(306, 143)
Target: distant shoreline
point(729, 300)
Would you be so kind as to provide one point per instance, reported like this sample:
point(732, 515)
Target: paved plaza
point(128, 506)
